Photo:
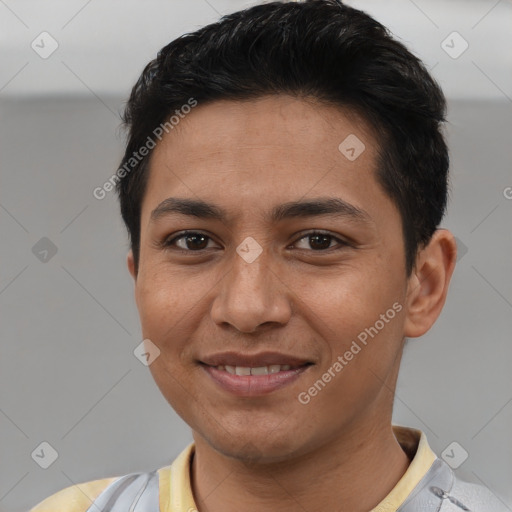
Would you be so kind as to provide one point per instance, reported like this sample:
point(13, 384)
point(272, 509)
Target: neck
point(355, 472)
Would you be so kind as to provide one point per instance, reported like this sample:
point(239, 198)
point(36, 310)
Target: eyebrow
point(332, 206)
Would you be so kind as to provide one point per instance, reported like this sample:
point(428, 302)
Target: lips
point(258, 370)
point(253, 374)
point(253, 385)
point(262, 359)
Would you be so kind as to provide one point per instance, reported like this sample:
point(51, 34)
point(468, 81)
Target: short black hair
point(320, 49)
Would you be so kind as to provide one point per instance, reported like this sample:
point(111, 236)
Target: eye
point(320, 241)
point(193, 241)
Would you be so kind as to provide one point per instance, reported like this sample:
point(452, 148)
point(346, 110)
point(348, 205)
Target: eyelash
point(168, 242)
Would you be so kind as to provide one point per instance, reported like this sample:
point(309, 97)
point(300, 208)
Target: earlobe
point(131, 264)
point(428, 285)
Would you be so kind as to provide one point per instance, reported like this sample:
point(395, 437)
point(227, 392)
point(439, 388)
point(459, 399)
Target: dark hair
point(317, 48)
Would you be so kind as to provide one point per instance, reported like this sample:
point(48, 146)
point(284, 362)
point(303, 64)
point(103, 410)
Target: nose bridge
point(250, 273)
point(250, 293)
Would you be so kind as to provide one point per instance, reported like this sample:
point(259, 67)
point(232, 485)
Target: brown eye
point(192, 241)
point(321, 241)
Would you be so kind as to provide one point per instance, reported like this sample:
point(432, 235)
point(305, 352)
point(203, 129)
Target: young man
point(283, 184)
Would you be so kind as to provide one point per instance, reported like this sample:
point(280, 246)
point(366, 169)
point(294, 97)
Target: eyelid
point(167, 242)
point(341, 241)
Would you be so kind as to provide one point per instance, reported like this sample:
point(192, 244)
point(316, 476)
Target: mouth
point(253, 375)
point(258, 370)
point(269, 360)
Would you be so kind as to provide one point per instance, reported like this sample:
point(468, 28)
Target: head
point(305, 136)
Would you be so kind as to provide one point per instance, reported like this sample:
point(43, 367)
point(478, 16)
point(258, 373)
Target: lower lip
point(253, 385)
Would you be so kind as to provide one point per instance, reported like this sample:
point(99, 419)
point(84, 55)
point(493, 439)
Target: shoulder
point(470, 495)
point(75, 498)
point(134, 491)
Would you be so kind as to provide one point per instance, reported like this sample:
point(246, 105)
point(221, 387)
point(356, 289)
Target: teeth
point(260, 370)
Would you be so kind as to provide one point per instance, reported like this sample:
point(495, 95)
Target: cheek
point(163, 307)
point(351, 296)
point(361, 307)
point(165, 311)
point(162, 290)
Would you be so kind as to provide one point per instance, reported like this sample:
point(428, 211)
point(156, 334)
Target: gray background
point(69, 326)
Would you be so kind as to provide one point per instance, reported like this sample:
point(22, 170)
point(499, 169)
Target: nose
point(251, 295)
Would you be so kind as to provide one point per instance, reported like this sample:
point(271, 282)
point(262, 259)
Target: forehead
point(279, 120)
point(268, 150)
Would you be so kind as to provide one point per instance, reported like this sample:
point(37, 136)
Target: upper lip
point(252, 360)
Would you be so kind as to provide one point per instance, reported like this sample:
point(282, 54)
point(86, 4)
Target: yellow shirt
point(176, 492)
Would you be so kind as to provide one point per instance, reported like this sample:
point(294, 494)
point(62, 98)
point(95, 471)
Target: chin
point(255, 447)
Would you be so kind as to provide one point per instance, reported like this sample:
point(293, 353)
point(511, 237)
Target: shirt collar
point(413, 442)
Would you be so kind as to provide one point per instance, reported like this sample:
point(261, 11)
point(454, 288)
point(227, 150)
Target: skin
point(300, 297)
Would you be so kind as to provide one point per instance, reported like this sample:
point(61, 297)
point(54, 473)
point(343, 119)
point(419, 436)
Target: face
point(257, 283)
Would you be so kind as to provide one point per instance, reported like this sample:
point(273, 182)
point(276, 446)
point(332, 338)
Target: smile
point(253, 381)
point(260, 370)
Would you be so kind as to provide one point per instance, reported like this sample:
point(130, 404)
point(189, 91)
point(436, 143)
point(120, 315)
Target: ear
point(131, 265)
point(428, 285)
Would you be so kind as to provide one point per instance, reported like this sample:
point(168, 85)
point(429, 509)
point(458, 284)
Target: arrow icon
point(44, 250)
point(351, 147)
point(44, 455)
point(44, 45)
point(454, 455)
point(249, 249)
point(146, 352)
point(454, 45)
